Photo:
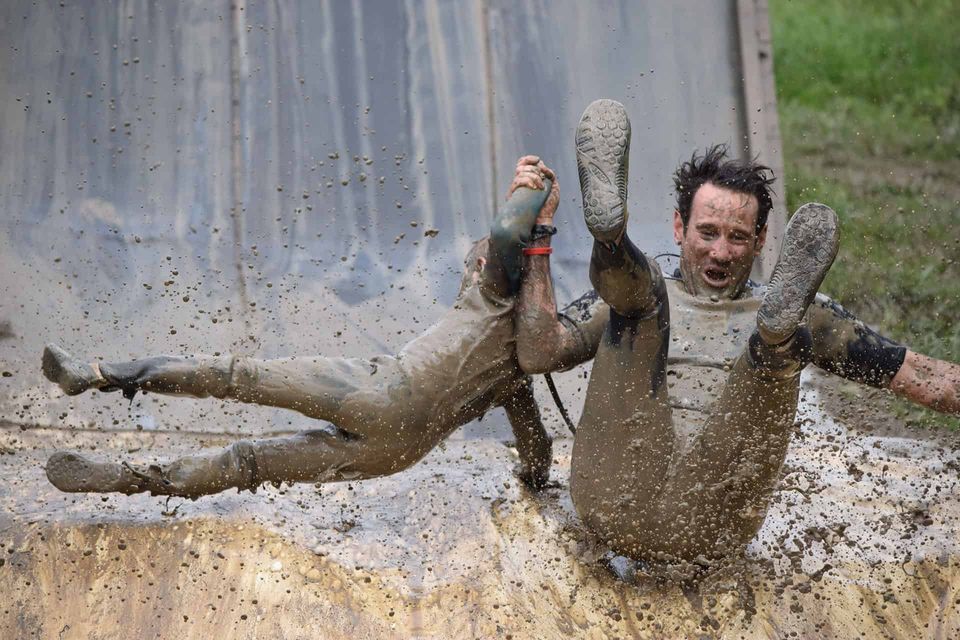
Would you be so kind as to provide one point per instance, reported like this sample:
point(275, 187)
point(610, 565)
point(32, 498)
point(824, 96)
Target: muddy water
point(863, 538)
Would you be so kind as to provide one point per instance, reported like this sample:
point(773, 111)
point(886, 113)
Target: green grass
point(869, 103)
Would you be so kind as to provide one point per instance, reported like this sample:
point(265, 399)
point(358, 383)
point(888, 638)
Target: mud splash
point(862, 540)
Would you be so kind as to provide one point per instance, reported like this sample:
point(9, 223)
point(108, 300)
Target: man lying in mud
point(705, 353)
point(386, 412)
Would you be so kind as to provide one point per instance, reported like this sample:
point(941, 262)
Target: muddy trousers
point(373, 435)
point(375, 429)
point(631, 482)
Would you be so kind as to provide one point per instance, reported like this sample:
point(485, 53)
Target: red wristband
point(537, 251)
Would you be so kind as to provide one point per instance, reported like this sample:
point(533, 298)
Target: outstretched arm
point(544, 342)
point(930, 382)
point(534, 444)
point(847, 347)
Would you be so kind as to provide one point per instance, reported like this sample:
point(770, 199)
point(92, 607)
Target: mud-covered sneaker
point(72, 375)
point(603, 149)
point(73, 473)
point(810, 244)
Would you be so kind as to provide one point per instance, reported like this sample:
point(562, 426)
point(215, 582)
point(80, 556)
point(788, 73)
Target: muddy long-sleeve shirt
point(706, 336)
point(466, 363)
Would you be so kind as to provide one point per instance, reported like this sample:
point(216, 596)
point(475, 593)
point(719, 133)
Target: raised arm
point(930, 382)
point(546, 341)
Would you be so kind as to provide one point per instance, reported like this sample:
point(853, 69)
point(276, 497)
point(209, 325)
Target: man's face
point(720, 241)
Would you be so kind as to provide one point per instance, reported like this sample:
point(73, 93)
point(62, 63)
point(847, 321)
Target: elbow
point(528, 360)
point(535, 357)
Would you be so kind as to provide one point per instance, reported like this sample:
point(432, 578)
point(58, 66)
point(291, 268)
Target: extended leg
point(718, 493)
point(313, 456)
point(317, 387)
point(625, 439)
point(370, 401)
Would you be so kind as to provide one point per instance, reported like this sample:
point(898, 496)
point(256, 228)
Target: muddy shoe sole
point(71, 375)
point(810, 244)
point(603, 148)
point(72, 473)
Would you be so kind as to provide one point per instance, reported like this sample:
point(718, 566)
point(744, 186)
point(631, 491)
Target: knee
point(202, 375)
point(399, 456)
point(236, 374)
point(243, 454)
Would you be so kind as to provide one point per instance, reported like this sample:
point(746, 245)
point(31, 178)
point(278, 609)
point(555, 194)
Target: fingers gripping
point(531, 172)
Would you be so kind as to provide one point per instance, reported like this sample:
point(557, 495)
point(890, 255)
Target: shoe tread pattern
point(810, 244)
point(603, 145)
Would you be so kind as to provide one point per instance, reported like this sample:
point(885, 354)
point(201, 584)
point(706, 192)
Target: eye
point(708, 233)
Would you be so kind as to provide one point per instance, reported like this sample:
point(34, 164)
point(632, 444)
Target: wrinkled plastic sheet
point(305, 177)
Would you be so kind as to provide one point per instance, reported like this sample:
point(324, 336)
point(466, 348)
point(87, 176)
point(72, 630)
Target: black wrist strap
point(542, 231)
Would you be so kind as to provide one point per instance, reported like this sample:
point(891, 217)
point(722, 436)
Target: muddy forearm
point(542, 340)
point(930, 382)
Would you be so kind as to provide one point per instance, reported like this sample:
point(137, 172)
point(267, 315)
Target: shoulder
point(825, 312)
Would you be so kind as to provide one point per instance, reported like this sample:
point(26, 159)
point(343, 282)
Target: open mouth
point(716, 277)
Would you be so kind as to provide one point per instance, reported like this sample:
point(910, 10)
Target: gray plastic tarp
point(192, 177)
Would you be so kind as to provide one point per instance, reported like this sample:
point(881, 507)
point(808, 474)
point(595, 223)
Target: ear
point(677, 227)
point(762, 238)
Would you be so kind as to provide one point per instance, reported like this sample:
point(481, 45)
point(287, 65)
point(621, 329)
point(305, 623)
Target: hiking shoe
point(603, 146)
point(71, 472)
point(810, 244)
point(72, 375)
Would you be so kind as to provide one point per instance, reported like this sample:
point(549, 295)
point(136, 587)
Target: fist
point(530, 173)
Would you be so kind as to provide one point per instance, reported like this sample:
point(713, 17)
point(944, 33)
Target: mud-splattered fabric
point(707, 335)
point(688, 415)
point(846, 346)
point(387, 411)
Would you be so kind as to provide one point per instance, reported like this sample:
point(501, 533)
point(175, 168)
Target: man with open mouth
point(694, 387)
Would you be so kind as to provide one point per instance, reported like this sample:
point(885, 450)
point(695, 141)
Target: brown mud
point(863, 540)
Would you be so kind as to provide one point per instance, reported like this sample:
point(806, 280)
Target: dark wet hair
point(715, 167)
